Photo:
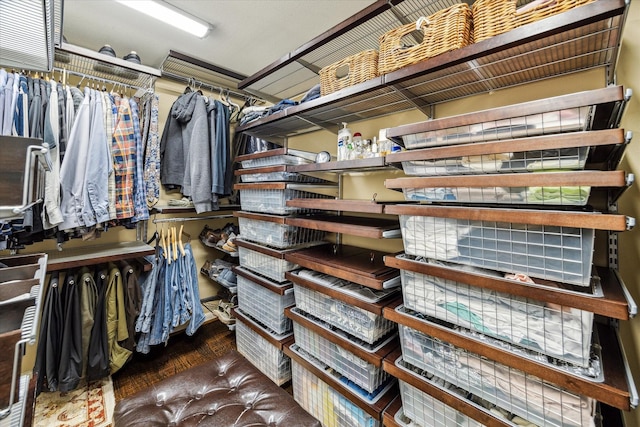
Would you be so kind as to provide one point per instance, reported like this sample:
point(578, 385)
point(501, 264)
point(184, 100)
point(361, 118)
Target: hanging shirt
point(124, 151)
point(3, 83)
point(51, 213)
point(9, 105)
point(20, 118)
point(152, 156)
point(141, 212)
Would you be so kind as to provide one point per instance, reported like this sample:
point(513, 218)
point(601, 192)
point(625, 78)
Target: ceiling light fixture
point(170, 15)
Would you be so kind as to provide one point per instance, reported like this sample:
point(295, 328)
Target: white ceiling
point(247, 35)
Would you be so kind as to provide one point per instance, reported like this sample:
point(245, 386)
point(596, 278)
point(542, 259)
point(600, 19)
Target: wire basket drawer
point(262, 354)
point(573, 158)
point(354, 368)
point(561, 254)
point(284, 159)
point(277, 235)
point(320, 400)
point(279, 176)
point(360, 323)
point(550, 122)
point(525, 395)
point(274, 201)
point(265, 305)
point(560, 332)
point(570, 195)
point(425, 410)
point(265, 265)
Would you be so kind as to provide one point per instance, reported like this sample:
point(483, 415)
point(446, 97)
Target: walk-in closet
point(336, 213)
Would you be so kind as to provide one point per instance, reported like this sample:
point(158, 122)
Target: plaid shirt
point(141, 212)
point(124, 152)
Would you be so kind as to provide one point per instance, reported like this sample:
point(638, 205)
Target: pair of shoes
point(185, 202)
point(210, 237)
point(206, 268)
point(230, 245)
point(228, 278)
point(223, 311)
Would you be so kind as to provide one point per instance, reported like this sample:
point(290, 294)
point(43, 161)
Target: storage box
point(358, 68)
point(331, 408)
point(276, 234)
point(269, 359)
point(561, 254)
point(356, 369)
point(493, 17)
point(563, 333)
point(265, 305)
point(445, 30)
point(568, 195)
point(265, 265)
point(425, 410)
point(525, 395)
point(523, 161)
point(274, 201)
point(353, 320)
point(283, 159)
point(279, 176)
point(545, 123)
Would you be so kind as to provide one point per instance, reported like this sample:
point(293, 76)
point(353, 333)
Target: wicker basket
point(493, 17)
point(446, 30)
point(362, 66)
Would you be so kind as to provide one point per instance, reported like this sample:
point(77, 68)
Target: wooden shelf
point(275, 253)
point(580, 39)
point(612, 303)
point(373, 357)
point(359, 265)
point(182, 209)
point(90, 255)
point(374, 409)
point(389, 416)
point(374, 228)
point(613, 390)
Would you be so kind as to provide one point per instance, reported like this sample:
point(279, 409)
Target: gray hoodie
point(185, 152)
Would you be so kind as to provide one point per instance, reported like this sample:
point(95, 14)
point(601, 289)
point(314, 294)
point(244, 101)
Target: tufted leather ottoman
point(226, 392)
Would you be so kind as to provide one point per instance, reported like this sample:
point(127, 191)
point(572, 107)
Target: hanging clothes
point(132, 302)
point(70, 368)
point(123, 150)
point(48, 351)
point(116, 320)
point(141, 212)
point(88, 303)
point(152, 154)
point(98, 358)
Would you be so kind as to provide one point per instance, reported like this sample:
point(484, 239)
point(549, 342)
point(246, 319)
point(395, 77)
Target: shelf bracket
point(424, 107)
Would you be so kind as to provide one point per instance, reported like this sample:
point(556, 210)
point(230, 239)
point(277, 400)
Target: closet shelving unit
point(580, 39)
point(23, 274)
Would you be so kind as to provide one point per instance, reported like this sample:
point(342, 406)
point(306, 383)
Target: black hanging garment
point(98, 360)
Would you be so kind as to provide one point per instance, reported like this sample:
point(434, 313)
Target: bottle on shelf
point(344, 141)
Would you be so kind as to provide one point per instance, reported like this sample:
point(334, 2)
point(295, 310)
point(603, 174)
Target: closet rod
point(100, 79)
point(195, 218)
point(191, 81)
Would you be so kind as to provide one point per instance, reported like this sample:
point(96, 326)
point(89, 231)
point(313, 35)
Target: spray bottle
point(344, 140)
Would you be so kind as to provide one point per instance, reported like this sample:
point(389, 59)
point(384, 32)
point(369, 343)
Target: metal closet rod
point(91, 77)
point(194, 218)
point(213, 88)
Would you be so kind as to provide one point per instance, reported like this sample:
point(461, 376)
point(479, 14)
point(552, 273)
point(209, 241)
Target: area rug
point(90, 405)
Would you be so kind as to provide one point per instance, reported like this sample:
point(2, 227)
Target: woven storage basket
point(445, 30)
point(493, 17)
point(362, 66)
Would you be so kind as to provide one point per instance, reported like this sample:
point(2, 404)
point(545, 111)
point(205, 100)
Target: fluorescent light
point(170, 15)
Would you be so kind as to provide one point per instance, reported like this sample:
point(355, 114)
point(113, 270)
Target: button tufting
point(198, 396)
point(211, 411)
point(159, 402)
point(172, 424)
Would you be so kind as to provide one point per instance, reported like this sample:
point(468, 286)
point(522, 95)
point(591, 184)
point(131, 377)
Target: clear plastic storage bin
point(331, 408)
point(274, 201)
point(356, 369)
point(265, 305)
point(277, 235)
point(522, 394)
point(560, 332)
point(523, 161)
point(425, 410)
point(262, 354)
point(357, 322)
point(265, 265)
point(561, 254)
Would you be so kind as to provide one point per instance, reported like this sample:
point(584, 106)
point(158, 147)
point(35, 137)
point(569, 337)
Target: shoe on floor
point(223, 311)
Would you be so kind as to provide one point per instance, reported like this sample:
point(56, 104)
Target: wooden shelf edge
point(90, 255)
point(278, 288)
point(353, 226)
